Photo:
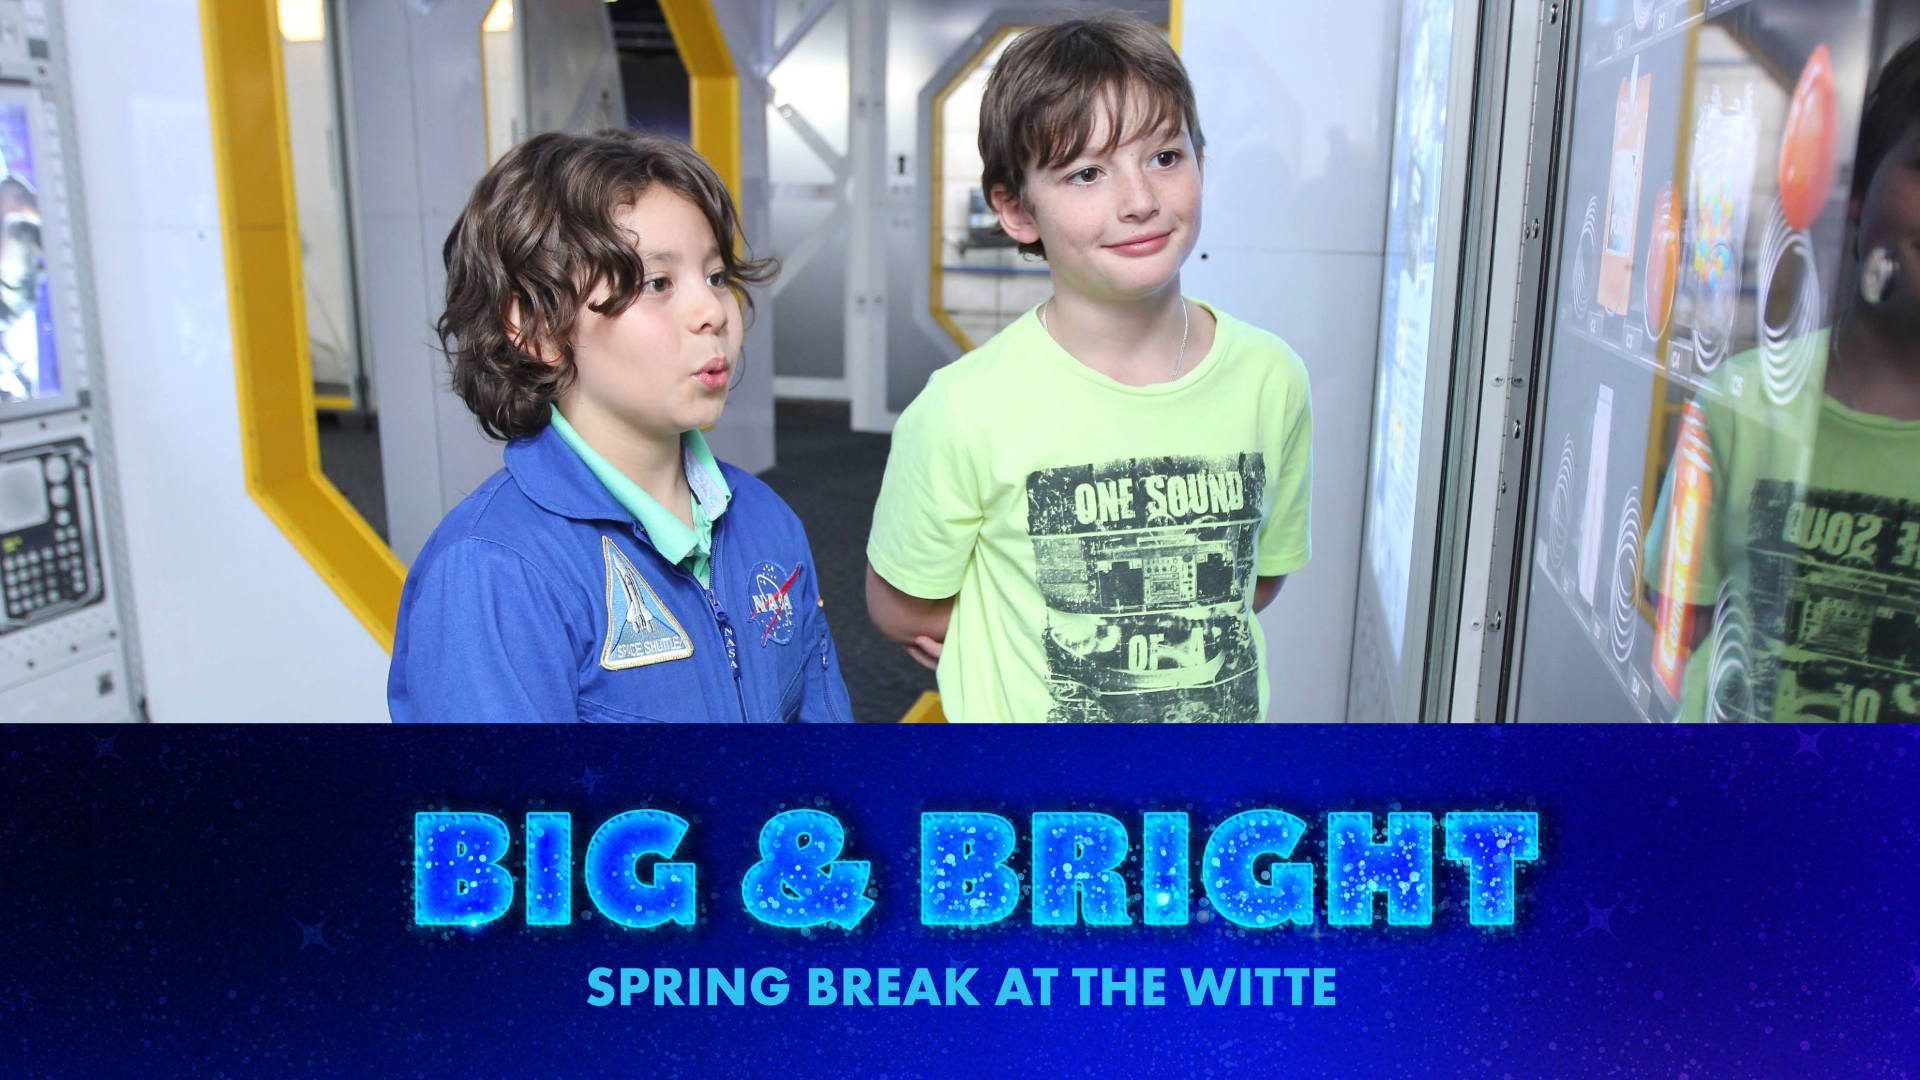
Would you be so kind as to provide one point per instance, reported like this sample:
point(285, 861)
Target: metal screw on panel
point(1516, 429)
point(1553, 13)
point(1499, 380)
point(1474, 625)
point(1533, 229)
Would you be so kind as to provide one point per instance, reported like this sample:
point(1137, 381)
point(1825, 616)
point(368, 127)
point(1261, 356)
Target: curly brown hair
point(538, 238)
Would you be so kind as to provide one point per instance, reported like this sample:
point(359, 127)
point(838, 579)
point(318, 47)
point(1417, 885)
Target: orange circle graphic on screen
point(1663, 262)
point(1806, 147)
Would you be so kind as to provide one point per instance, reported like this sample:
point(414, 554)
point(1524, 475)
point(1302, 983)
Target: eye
point(1083, 176)
point(657, 284)
point(717, 279)
point(1167, 159)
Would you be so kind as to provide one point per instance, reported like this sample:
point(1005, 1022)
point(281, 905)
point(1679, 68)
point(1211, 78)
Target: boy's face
point(1890, 216)
point(660, 367)
point(1116, 225)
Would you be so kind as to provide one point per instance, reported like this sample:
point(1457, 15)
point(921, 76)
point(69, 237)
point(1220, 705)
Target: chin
point(705, 414)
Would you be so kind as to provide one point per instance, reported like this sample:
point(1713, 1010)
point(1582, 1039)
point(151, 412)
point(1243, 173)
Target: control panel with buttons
point(49, 547)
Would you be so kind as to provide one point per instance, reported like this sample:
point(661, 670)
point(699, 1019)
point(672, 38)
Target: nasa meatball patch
point(772, 617)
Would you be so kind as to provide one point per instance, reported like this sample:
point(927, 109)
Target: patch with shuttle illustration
point(1146, 565)
point(640, 629)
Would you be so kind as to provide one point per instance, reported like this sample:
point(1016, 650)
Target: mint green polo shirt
point(692, 548)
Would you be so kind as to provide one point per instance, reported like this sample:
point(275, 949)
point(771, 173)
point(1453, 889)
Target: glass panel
point(1414, 204)
point(1720, 514)
point(29, 356)
point(342, 392)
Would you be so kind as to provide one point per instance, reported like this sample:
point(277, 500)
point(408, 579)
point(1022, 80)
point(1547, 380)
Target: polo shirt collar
point(565, 476)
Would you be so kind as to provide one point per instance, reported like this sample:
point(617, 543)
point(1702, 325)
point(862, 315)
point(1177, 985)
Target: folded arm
point(917, 623)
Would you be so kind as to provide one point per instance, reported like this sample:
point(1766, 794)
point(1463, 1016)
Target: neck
point(651, 460)
point(1133, 340)
point(1875, 369)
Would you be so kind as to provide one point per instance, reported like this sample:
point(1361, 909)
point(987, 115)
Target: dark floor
point(827, 473)
point(831, 477)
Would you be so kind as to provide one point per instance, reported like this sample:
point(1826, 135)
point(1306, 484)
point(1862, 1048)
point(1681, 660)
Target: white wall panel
point(1296, 99)
point(234, 624)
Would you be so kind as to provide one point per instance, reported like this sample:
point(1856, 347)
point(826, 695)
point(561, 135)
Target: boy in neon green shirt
point(1080, 519)
point(1804, 584)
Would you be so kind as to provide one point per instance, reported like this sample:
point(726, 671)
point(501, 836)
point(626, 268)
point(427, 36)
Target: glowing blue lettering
point(1164, 872)
point(1074, 860)
point(457, 879)
point(964, 880)
point(549, 869)
point(613, 881)
point(1490, 844)
point(1401, 867)
point(797, 881)
point(1228, 870)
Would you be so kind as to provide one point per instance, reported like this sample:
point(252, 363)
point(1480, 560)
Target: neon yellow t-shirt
point(1809, 561)
point(1101, 539)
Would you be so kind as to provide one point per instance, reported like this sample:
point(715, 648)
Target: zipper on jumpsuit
point(720, 618)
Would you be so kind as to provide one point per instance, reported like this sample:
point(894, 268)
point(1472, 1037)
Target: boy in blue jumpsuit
point(613, 571)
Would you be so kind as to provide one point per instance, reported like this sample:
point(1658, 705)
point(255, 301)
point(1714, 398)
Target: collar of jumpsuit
point(670, 536)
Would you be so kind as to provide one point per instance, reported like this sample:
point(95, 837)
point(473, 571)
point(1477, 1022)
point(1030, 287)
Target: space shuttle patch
point(640, 629)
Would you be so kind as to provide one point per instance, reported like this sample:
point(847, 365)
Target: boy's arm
point(1265, 589)
point(925, 526)
point(488, 641)
point(915, 622)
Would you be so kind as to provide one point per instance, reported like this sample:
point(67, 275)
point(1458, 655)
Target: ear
point(1015, 216)
point(523, 339)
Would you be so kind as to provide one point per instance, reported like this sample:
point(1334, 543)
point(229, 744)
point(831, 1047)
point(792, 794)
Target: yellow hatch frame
point(260, 234)
point(936, 212)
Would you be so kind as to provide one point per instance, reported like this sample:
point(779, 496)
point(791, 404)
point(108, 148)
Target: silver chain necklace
point(1186, 324)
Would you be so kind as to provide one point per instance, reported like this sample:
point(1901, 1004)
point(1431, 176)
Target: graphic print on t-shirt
point(1834, 601)
point(1146, 566)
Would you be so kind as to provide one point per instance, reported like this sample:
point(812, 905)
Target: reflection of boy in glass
point(21, 271)
point(1807, 559)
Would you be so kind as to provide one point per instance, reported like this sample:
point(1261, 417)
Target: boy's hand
point(927, 651)
point(1265, 589)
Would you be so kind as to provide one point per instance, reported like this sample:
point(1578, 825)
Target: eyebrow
point(670, 257)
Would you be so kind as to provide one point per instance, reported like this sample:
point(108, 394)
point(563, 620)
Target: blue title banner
point(903, 902)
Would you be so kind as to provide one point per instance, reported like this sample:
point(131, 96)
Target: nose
point(1138, 200)
point(709, 311)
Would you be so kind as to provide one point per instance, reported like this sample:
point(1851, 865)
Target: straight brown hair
point(1041, 99)
point(537, 239)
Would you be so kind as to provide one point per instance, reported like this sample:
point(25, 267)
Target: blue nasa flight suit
point(540, 598)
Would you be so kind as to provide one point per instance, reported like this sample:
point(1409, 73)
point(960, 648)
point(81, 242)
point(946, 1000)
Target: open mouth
point(1142, 245)
point(714, 375)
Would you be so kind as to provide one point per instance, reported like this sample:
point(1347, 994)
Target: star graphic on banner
point(104, 747)
point(1916, 973)
point(1633, 909)
point(313, 935)
point(1598, 918)
point(590, 779)
point(1809, 744)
